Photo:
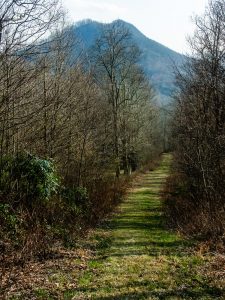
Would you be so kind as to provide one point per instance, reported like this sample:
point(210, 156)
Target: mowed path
point(137, 258)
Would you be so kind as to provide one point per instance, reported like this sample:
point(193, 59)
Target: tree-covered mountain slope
point(157, 60)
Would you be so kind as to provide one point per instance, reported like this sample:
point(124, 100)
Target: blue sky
point(166, 21)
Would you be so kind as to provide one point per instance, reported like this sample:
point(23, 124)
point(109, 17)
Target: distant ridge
point(157, 60)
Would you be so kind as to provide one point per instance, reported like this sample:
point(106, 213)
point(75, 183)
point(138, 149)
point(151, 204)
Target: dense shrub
point(27, 178)
point(8, 221)
point(76, 198)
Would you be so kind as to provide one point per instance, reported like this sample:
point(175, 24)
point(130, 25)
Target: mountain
point(156, 60)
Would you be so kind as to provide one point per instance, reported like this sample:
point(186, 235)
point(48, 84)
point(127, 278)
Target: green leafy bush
point(76, 197)
point(26, 177)
point(7, 218)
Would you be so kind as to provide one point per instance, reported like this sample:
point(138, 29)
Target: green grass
point(42, 294)
point(137, 258)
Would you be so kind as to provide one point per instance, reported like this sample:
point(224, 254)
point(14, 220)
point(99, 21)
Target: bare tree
point(200, 113)
point(22, 25)
point(114, 58)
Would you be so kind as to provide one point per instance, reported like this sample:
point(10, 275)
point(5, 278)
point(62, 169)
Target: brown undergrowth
point(190, 217)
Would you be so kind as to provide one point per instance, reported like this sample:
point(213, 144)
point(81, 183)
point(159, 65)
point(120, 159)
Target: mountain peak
point(157, 60)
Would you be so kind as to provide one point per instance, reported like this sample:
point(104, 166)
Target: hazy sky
point(166, 21)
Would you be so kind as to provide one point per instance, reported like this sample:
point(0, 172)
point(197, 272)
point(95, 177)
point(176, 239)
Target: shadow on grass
point(147, 236)
point(156, 289)
point(182, 293)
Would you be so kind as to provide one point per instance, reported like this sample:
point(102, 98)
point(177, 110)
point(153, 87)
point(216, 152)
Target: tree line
point(198, 131)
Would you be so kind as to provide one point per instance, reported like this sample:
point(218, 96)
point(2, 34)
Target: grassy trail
point(137, 258)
